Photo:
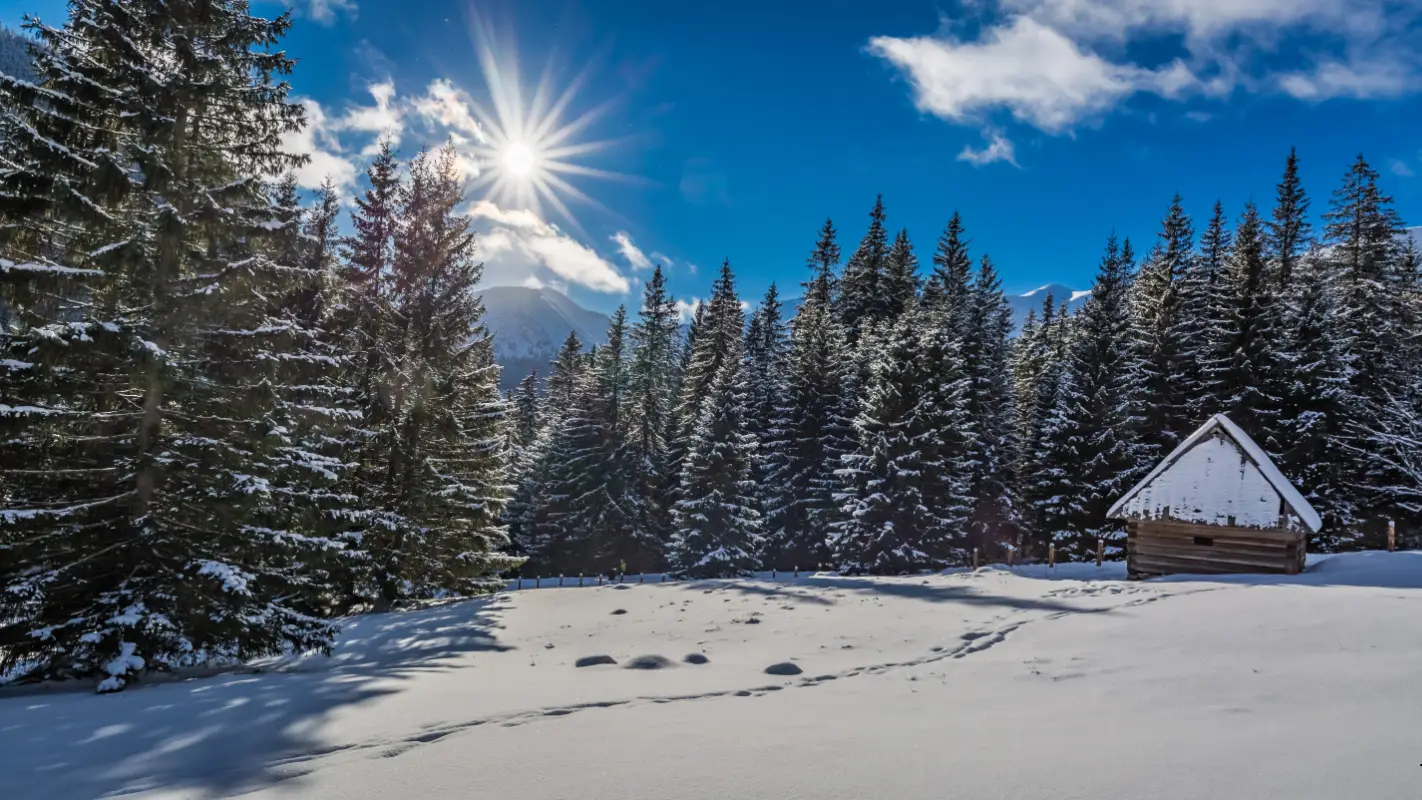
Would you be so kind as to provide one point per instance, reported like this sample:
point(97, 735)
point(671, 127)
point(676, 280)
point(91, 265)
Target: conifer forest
point(232, 412)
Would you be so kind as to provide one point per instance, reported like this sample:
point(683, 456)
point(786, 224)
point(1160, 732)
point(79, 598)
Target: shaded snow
point(1022, 683)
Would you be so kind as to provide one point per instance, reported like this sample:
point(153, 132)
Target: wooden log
point(1051, 555)
point(1100, 551)
point(1391, 536)
point(1169, 527)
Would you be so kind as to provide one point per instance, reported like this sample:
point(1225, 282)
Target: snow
point(1215, 475)
point(1022, 683)
point(1078, 295)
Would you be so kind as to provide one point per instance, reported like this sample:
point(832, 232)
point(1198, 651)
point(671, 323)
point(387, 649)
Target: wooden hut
point(1216, 504)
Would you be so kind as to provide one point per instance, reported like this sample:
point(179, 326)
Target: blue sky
point(737, 126)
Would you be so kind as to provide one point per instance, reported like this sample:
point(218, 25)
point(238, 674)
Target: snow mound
point(649, 662)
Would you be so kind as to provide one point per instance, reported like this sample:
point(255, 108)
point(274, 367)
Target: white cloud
point(663, 259)
point(630, 251)
point(318, 141)
point(1042, 77)
point(533, 282)
point(999, 148)
point(449, 107)
point(384, 119)
point(324, 11)
point(516, 244)
point(1057, 64)
point(1336, 79)
point(1400, 168)
point(687, 309)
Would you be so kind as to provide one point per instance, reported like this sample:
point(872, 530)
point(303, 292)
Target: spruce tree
point(1317, 402)
point(1289, 230)
point(651, 421)
point(951, 280)
point(1363, 229)
point(717, 524)
point(889, 526)
point(596, 532)
point(1242, 364)
point(1090, 452)
point(812, 433)
point(155, 515)
point(864, 291)
point(900, 276)
point(1165, 357)
point(988, 404)
point(1204, 311)
point(444, 477)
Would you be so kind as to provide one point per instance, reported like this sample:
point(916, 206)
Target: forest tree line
point(229, 419)
point(894, 424)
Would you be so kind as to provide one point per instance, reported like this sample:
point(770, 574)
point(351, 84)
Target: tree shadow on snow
point(906, 588)
point(1369, 569)
point(228, 734)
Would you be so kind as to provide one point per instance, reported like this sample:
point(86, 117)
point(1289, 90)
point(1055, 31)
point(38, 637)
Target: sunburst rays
point(529, 151)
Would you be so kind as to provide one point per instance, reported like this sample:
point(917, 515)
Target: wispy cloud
point(1056, 65)
point(630, 251)
point(1400, 168)
point(325, 12)
point(999, 148)
point(517, 243)
point(318, 141)
point(663, 259)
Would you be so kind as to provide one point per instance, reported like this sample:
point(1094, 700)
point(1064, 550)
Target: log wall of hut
point(1163, 547)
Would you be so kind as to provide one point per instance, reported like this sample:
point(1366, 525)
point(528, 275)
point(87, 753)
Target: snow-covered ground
point(994, 684)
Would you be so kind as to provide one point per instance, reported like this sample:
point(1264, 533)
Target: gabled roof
point(1251, 451)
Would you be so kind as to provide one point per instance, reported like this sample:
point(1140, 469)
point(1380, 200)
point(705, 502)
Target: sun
point(519, 160)
point(527, 150)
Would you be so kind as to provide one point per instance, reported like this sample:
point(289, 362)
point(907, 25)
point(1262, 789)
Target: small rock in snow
point(783, 668)
point(696, 658)
point(617, 611)
point(649, 662)
point(592, 661)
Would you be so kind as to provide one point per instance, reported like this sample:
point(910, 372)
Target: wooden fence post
point(580, 579)
point(1010, 551)
point(975, 558)
point(1052, 555)
point(1100, 551)
point(560, 581)
point(1391, 536)
point(797, 571)
point(538, 581)
point(641, 577)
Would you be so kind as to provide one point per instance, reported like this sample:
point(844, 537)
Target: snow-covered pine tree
point(1317, 402)
point(538, 509)
point(864, 293)
point(150, 516)
point(1165, 353)
point(950, 283)
point(1363, 231)
point(766, 349)
point(813, 433)
point(1241, 362)
point(651, 421)
point(889, 526)
point(988, 403)
point(716, 331)
point(596, 533)
point(524, 426)
point(446, 474)
point(901, 276)
point(1090, 448)
point(717, 523)
point(1289, 229)
point(1203, 311)
point(1038, 359)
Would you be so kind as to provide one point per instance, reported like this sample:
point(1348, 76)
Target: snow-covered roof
point(1207, 480)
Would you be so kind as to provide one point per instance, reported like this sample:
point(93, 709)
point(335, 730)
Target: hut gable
point(1218, 476)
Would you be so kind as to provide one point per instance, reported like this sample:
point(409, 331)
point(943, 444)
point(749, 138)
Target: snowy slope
point(1003, 684)
point(530, 324)
point(1022, 303)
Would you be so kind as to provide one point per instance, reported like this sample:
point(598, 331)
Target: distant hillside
point(1022, 303)
point(529, 325)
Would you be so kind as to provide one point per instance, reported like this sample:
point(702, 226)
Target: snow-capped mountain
point(1022, 303)
point(529, 325)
